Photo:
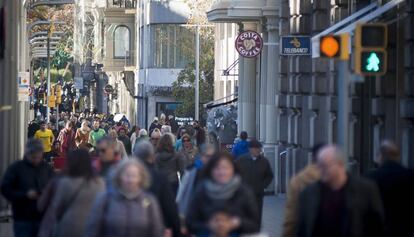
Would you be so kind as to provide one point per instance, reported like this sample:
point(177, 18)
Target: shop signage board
point(249, 44)
point(78, 83)
point(295, 45)
point(23, 86)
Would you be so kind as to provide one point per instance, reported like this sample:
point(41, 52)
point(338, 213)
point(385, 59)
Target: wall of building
point(290, 103)
point(150, 76)
point(13, 114)
point(225, 35)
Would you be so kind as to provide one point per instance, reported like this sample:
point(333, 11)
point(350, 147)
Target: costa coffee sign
point(249, 44)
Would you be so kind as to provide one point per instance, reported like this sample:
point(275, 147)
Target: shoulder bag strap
point(70, 201)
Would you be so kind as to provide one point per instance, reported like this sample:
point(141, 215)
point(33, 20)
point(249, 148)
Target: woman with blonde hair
point(128, 209)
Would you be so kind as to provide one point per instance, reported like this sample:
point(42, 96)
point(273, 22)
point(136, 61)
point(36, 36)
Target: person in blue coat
point(241, 147)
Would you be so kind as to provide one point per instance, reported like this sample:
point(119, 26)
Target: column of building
point(247, 95)
point(408, 134)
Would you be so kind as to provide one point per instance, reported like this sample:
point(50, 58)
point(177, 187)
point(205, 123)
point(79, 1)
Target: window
point(170, 45)
point(122, 42)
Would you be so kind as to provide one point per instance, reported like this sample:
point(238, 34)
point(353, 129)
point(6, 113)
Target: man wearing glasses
point(108, 155)
point(155, 137)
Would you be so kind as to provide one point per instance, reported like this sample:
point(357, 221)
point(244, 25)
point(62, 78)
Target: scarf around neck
point(222, 191)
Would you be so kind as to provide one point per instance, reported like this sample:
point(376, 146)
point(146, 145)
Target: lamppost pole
point(197, 74)
point(48, 79)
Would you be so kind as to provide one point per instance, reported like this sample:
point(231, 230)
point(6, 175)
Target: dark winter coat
point(396, 186)
point(127, 143)
point(168, 163)
point(21, 177)
point(162, 191)
point(242, 204)
point(257, 174)
point(115, 215)
point(363, 212)
point(240, 148)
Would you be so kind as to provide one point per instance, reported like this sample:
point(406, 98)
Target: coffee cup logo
point(249, 44)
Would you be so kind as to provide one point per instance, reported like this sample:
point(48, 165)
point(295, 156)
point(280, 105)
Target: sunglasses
point(103, 150)
point(186, 140)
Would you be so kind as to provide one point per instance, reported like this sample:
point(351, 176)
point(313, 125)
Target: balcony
point(125, 4)
point(36, 3)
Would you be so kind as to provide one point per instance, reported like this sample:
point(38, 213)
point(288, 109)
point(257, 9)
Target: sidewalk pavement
point(273, 214)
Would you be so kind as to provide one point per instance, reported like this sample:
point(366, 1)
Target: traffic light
point(58, 89)
point(370, 49)
point(334, 46)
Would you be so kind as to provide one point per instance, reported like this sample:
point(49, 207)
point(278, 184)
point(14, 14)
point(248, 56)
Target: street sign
point(23, 86)
point(78, 83)
point(295, 45)
point(249, 44)
point(109, 89)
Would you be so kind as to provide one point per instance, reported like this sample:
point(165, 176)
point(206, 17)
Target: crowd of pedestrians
point(98, 177)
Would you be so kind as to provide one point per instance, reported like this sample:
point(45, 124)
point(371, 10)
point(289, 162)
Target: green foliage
point(54, 75)
point(61, 59)
point(183, 88)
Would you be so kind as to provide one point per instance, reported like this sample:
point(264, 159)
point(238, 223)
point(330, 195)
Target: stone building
point(104, 53)
point(290, 102)
point(161, 33)
point(14, 114)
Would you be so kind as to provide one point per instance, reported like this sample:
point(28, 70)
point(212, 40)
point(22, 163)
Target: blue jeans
point(26, 228)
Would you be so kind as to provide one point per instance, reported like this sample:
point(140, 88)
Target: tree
point(62, 57)
point(183, 88)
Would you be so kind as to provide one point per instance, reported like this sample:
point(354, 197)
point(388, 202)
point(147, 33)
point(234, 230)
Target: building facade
point(290, 103)
point(105, 54)
point(161, 44)
point(14, 58)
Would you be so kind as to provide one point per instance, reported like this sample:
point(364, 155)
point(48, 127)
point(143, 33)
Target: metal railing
point(127, 4)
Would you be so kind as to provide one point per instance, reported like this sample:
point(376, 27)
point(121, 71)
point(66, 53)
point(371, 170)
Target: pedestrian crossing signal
point(370, 49)
point(373, 62)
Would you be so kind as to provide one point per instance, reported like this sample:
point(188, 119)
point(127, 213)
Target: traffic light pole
point(343, 108)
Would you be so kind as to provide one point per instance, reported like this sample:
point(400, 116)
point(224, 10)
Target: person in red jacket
point(67, 138)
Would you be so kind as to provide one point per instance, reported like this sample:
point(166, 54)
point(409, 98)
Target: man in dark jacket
point(396, 185)
point(23, 184)
point(241, 147)
point(256, 172)
point(160, 188)
point(339, 204)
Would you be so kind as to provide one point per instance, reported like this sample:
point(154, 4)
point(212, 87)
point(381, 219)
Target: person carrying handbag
point(77, 189)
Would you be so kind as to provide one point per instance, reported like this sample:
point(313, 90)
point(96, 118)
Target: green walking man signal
point(373, 63)
point(371, 49)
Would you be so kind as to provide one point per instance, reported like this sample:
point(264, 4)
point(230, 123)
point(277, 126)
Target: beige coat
point(297, 184)
point(73, 217)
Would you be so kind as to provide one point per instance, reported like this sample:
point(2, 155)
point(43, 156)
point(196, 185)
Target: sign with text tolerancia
point(249, 44)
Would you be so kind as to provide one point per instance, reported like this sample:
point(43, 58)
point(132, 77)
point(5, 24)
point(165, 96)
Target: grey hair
point(33, 145)
point(120, 168)
point(165, 129)
point(142, 133)
point(144, 150)
point(339, 154)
